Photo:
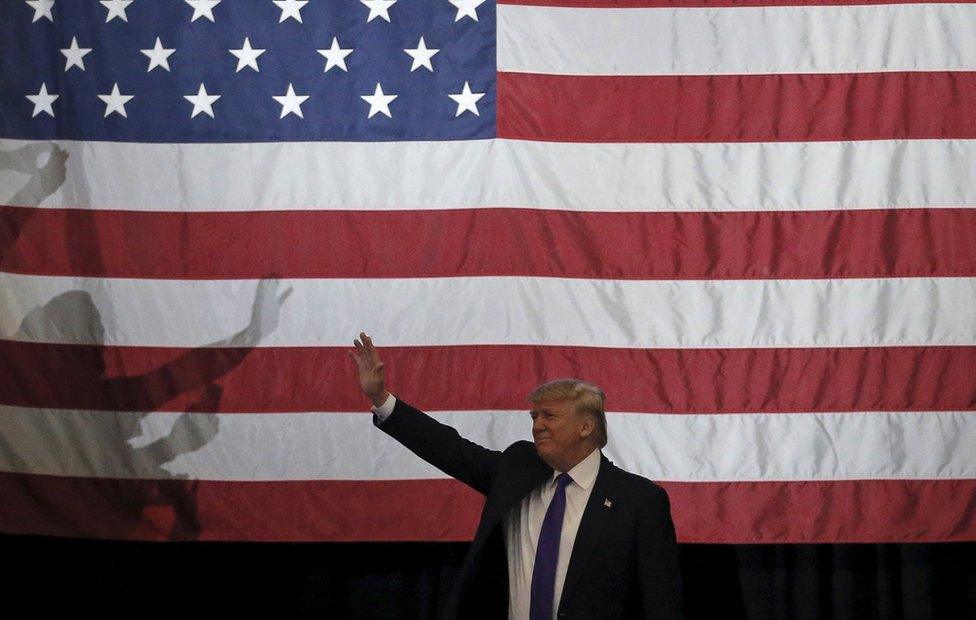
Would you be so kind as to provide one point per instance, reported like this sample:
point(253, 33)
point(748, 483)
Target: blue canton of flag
point(245, 71)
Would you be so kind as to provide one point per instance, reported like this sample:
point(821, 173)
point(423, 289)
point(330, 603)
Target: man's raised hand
point(370, 369)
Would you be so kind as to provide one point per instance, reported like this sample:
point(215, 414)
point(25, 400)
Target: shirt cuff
point(383, 411)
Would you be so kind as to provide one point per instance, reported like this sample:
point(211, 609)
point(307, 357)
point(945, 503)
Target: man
point(564, 533)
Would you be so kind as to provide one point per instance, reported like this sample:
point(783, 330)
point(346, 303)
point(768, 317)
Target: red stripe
point(827, 512)
point(262, 511)
point(486, 242)
point(638, 4)
point(322, 379)
point(737, 108)
point(444, 510)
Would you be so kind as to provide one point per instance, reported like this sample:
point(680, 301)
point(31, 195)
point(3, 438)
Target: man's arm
point(438, 444)
point(657, 561)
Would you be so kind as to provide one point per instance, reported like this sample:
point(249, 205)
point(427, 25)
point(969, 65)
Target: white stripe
point(345, 446)
point(704, 41)
point(495, 310)
point(512, 173)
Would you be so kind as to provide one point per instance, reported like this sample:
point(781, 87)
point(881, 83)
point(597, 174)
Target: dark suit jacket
point(625, 557)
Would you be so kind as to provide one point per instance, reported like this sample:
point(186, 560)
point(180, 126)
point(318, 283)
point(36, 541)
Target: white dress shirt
point(523, 524)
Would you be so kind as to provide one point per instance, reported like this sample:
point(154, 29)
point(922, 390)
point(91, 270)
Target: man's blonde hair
point(587, 399)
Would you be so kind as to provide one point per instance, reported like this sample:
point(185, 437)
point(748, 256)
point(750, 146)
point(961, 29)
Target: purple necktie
point(547, 554)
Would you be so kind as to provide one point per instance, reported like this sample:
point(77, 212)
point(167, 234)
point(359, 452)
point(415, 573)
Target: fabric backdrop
point(752, 223)
point(57, 577)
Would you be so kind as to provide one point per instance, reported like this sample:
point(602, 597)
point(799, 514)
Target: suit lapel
point(532, 474)
point(596, 517)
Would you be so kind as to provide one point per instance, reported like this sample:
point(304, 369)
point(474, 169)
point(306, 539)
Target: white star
point(75, 55)
point(42, 8)
point(378, 8)
point(421, 56)
point(379, 102)
point(466, 8)
point(158, 56)
point(202, 102)
point(466, 100)
point(115, 101)
point(116, 8)
point(42, 101)
point(290, 8)
point(202, 8)
point(291, 103)
point(247, 56)
point(335, 56)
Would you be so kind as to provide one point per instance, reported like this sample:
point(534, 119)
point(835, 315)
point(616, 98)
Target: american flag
point(752, 223)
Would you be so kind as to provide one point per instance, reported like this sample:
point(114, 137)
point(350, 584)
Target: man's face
point(557, 431)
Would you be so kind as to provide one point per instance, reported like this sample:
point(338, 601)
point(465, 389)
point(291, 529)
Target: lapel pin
point(607, 503)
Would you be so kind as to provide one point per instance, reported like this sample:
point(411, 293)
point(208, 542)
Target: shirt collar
point(583, 473)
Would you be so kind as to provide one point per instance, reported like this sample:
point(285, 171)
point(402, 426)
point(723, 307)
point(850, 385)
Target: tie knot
point(563, 480)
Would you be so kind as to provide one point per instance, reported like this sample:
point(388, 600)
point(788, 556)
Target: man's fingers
point(359, 358)
point(366, 352)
